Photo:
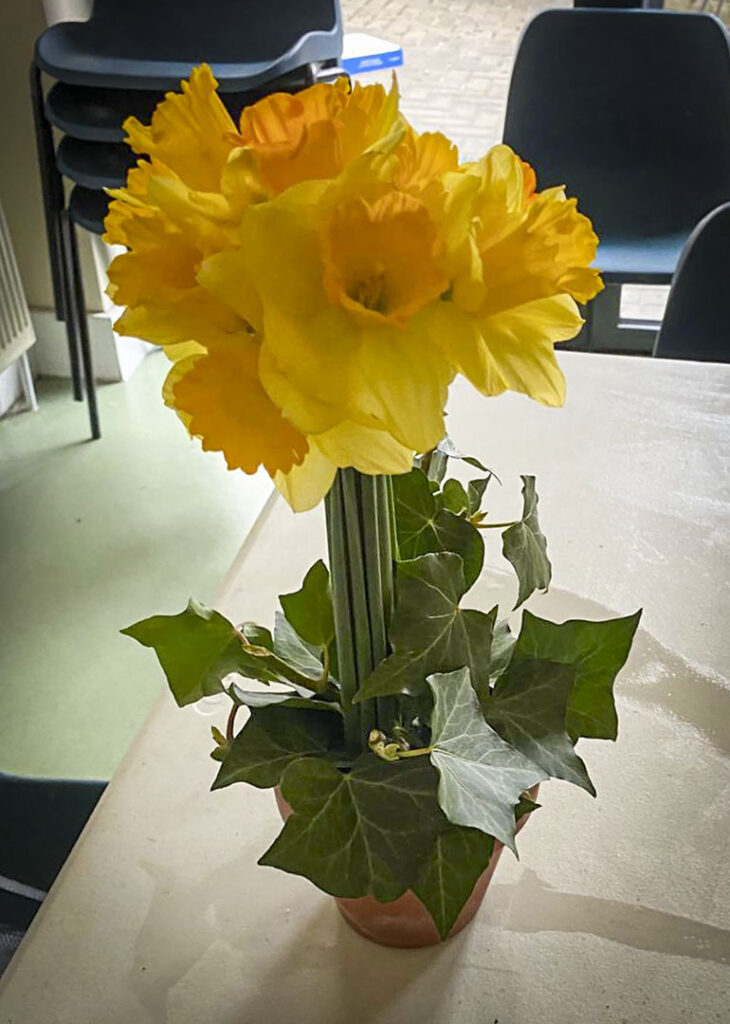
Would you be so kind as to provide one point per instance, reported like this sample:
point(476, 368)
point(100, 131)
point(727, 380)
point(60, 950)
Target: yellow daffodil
point(520, 262)
point(191, 132)
point(319, 273)
point(313, 135)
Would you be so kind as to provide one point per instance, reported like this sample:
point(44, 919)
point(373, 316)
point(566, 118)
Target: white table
point(616, 911)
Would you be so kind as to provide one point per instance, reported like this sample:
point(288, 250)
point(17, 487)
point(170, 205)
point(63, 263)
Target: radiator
point(16, 329)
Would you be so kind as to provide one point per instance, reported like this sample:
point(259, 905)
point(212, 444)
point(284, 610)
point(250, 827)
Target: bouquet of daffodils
point(318, 274)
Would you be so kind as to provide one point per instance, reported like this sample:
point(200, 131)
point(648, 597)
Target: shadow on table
point(276, 942)
point(541, 908)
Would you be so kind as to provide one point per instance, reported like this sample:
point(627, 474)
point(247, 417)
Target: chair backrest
point(630, 110)
point(221, 31)
point(619, 3)
point(696, 322)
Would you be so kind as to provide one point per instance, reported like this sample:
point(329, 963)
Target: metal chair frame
point(63, 250)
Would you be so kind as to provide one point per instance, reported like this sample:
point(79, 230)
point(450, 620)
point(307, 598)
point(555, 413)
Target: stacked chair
point(696, 323)
point(41, 820)
point(120, 62)
point(630, 110)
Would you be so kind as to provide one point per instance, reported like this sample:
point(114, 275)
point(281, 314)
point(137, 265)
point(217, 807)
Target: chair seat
point(640, 260)
point(89, 208)
point(77, 53)
point(95, 165)
point(97, 114)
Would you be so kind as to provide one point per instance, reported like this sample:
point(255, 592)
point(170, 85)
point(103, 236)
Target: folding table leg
point(77, 310)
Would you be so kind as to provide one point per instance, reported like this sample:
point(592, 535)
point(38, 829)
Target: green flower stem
point(495, 526)
point(361, 569)
point(342, 606)
point(360, 525)
point(387, 706)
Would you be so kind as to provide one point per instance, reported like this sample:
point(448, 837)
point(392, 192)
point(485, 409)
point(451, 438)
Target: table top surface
point(619, 907)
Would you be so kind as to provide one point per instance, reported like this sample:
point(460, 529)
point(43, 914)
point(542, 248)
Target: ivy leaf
point(455, 497)
point(458, 858)
point(288, 699)
point(257, 635)
point(526, 548)
point(597, 651)
point(196, 648)
point(449, 449)
point(423, 526)
point(272, 739)
point(528, 710)
point(481, 777)
point(475, 493)
point(309, 610)
point(503, 643)
point(433, 464)
point(429, 631)
point(289, 646)
point(366, 832)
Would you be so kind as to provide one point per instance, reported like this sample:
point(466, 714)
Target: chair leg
point(69, 305)
point(53, 205)
point(77, 309)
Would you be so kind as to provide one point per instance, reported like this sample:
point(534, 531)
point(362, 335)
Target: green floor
point(94, 535)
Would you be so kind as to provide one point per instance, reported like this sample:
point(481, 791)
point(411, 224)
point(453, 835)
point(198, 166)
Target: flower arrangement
point(318, 274)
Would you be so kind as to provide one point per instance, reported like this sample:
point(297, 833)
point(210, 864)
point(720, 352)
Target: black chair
point(117, 64)
point(630, 110)
point(623, 4)
point(41, 821)
point(696, 323)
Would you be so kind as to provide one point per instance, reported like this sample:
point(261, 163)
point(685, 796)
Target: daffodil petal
point(305, 485)
point(230, 412)
point(365, 449)
point(403, 385)
point(191, 131)
point(518, 349)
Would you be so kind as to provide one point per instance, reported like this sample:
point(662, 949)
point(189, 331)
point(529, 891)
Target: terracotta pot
point(405, 923)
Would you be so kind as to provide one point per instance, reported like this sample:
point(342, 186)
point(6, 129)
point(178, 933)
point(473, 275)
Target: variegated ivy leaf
point(449, 449)
point(301, 698)
point(290, 647)
point(423, 525)
point(526, 548)
point(366, 832)
point(481, 777)
point(528, 710)
point(430, 632)
point(503, 643)
point(272, 739)
point(596, 651)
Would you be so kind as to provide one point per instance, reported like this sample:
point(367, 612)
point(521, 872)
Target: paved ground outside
point(458, 59)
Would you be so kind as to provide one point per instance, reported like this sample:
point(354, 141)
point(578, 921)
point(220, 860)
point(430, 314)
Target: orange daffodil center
point(381, 261)
point(319, 272)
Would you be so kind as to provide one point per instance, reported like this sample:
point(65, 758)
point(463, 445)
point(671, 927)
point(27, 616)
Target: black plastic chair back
point(696, 322)
point(152, 44)
point(630, 110)
point(225, 31)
